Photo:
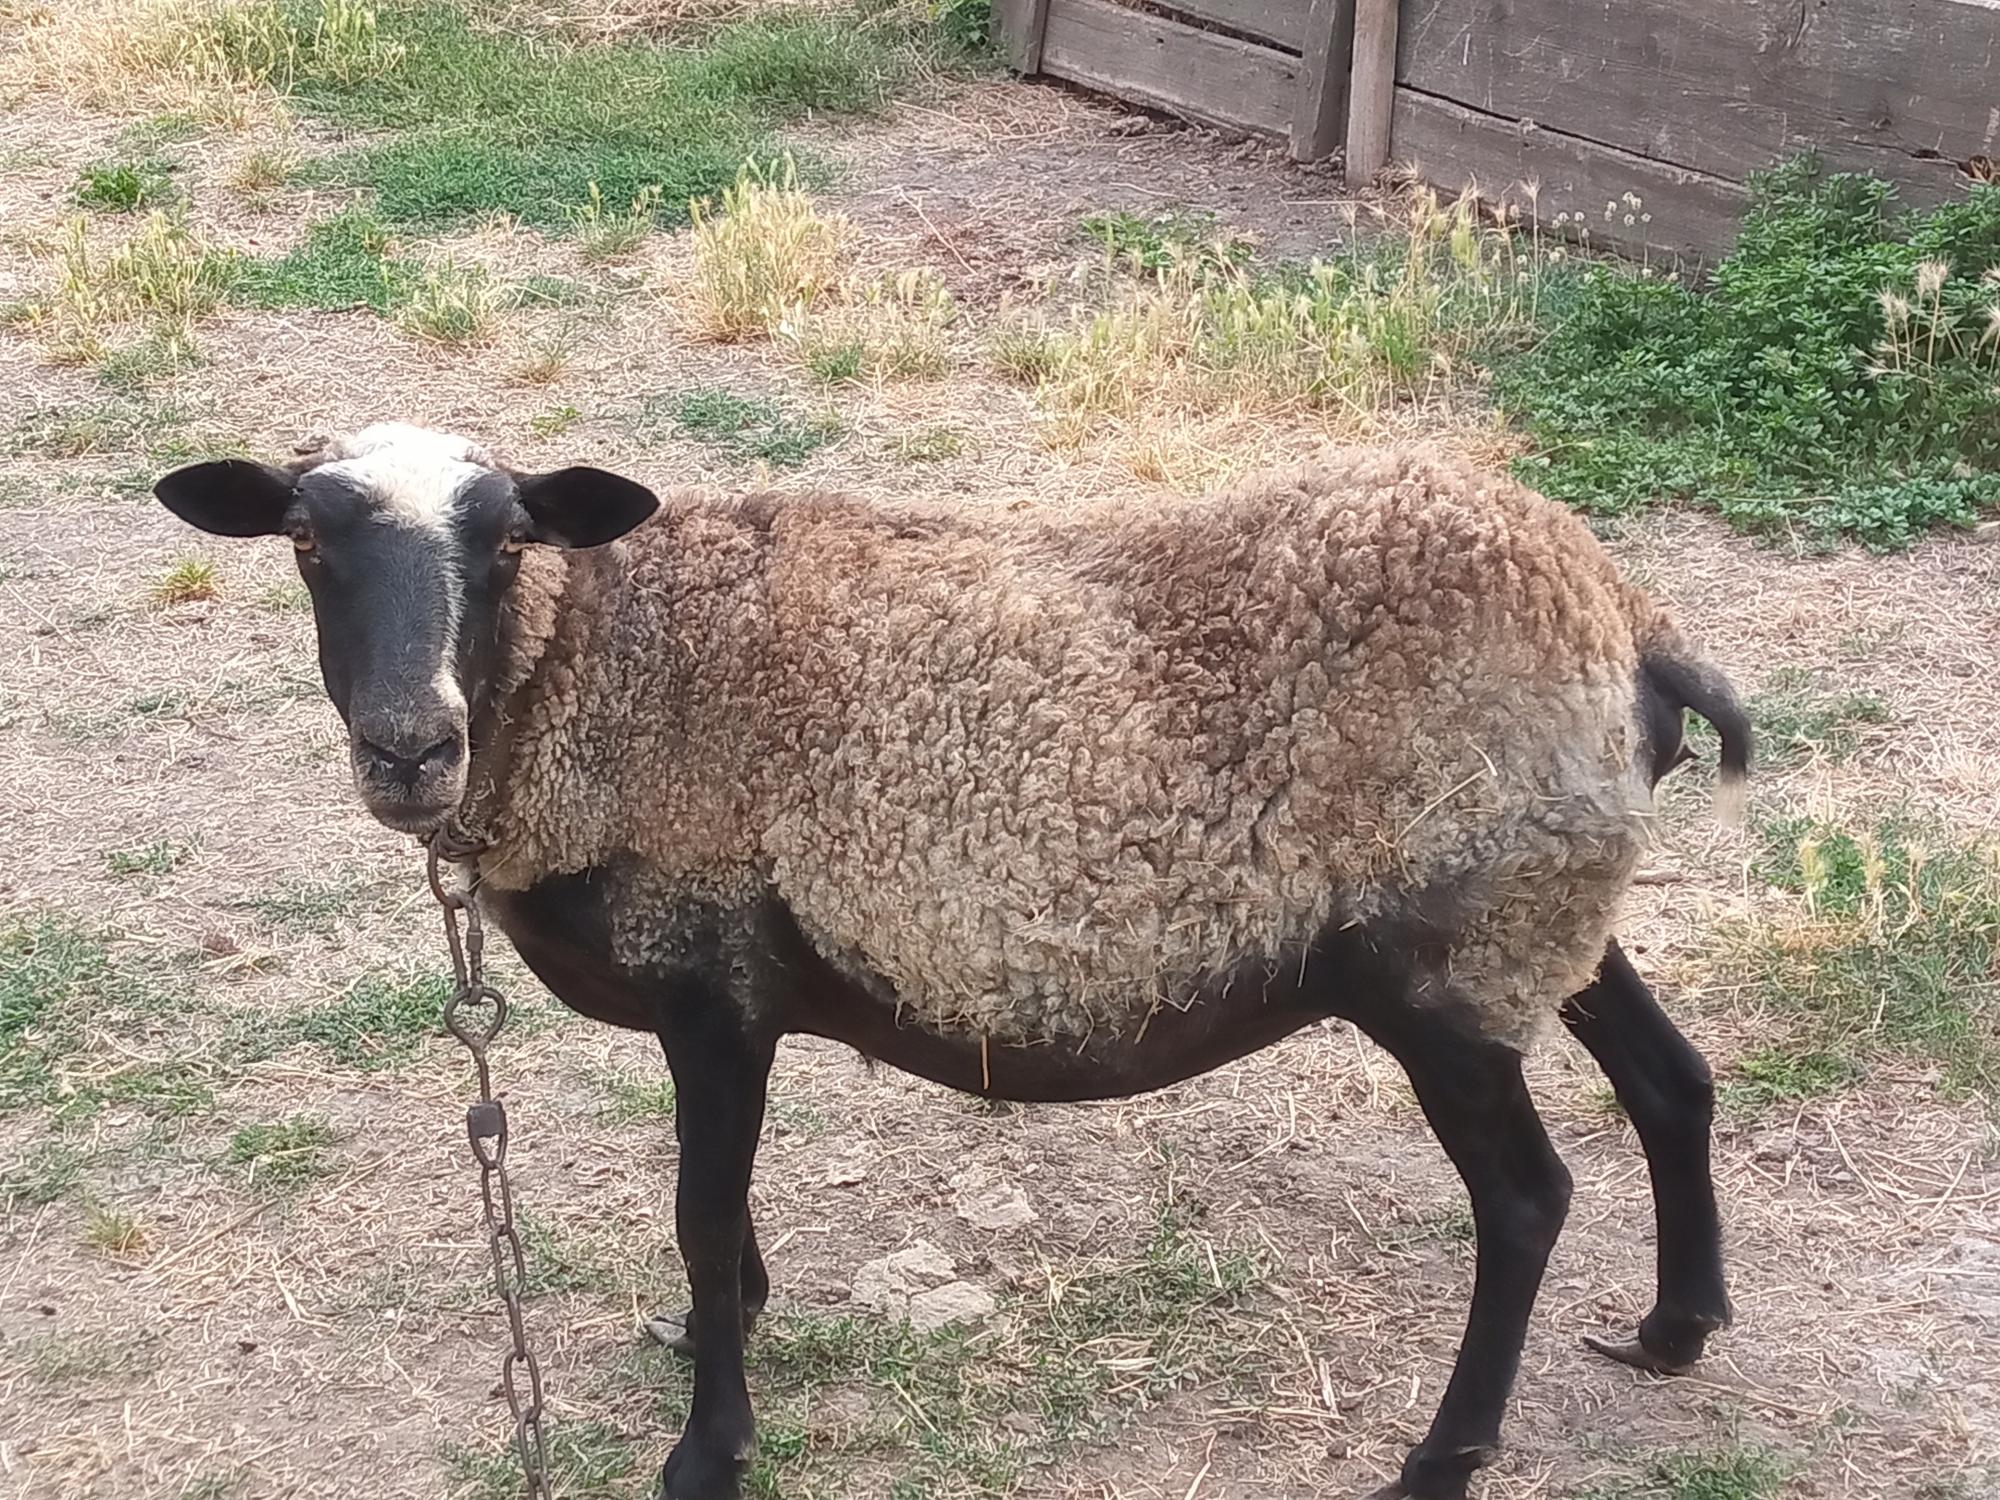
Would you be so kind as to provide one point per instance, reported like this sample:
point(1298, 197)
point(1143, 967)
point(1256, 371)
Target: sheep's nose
point(405, 759)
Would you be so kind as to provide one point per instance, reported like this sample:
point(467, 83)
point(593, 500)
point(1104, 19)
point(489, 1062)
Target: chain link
point(475, 1014)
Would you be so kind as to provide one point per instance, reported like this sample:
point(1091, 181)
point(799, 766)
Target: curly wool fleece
point(1042, 773)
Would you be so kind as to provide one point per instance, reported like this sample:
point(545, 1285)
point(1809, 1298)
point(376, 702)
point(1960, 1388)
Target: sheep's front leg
point(1667, 1090)
point(1474, 1097)
point(720, 1074)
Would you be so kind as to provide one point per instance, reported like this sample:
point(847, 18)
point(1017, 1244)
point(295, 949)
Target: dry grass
point(766, 254)
point(162, 281)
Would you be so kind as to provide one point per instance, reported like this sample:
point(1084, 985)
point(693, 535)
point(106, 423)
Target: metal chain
point(474, 1014)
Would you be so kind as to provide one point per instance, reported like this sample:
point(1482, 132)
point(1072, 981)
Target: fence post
point(1321, 108)
point(1372, 96)
point(1020, 24)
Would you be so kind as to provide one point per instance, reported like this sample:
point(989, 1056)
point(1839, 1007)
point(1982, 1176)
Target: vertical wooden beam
point(1320, 113)
point(1372, 94)
point(1020, 24)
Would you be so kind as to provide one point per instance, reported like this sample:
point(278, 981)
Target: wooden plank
point(1282, 23)
point(1727, 86)
point(1580, 183)
point(1019, 25)
point(1319, 110)
point(1371, 93)
point(1150, 60)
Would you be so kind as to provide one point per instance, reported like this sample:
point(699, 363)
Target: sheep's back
point(1041, 774)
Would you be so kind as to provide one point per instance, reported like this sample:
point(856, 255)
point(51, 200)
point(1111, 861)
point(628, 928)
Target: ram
point(1041, 805)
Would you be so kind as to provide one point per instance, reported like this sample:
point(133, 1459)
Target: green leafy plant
point(1838, 376)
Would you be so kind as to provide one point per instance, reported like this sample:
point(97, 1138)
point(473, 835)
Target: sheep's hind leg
point(677, 1332)
point(1665, 1087)
point(1474, 1097)
point(720, 1076)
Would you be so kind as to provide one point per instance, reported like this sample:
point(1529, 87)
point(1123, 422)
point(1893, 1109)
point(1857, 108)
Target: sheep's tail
point(1675, 679)
point(1687, 682)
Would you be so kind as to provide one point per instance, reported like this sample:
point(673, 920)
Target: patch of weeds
point(1834, 377)
point(1893, 944)
point(796, 1117)
point(554, 422)
point(836, 360)
point(148, 136)
point(589, 1460)
point(543, 359)
point(1387, 320)
point(266, 167)
point(383, 1019)
point(188, 581)
point(1783, 1075)
point(1798, 719)
point(742, 426)
point(1158, 242)
point(484, 120)
point(1737, 1473)
point(161, 857)
point(50, 1172)
point(50, 969)
point(561, 1260)
point(1026, 352)
point(133, 367)
point(891, 328)
point(286, 1155)
point(766, 256)
point(166, 278)
point(928, 445)
point(113, 1231)
point(164, 1089)
point(65, 1359)
point(344, 261)
point(453, 304)
point(315, 906)
point(88, 429)
point(285, 599)
point(127, 186)
point(627, 1101)
point(608, 234)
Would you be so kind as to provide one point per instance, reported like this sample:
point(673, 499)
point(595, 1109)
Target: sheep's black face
point(408, 542)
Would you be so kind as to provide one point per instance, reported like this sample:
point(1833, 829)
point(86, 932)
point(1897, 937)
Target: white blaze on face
point(414, 478)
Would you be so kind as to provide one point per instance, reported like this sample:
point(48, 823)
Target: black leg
point(720, 1075)
point(1473, 1095)
point(678, 1333)
point(1665, 1087)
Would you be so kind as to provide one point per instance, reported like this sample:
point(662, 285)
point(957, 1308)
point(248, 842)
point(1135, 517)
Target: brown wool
point(1042, 771)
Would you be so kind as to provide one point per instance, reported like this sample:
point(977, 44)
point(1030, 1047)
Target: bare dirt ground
point(261, 1332)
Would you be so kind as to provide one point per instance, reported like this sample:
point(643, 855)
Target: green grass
point(123, 425)
point(473, 120)
point(127, 186)
point(1156, 242)
point(315, 906)
point(161, 857)
point(1739, 1472)
point(740, 426)
point(344, 261)
point(628, 1101)
point(286, 1155)
point(1834, 378)
point(1892, 946)
point(928, 445)
point(50, 1172)
point(382, 1020)
point(1784, 1075)
point(50, 968)
point(1798, 718)
point(972, 1411)
point(587, 1461)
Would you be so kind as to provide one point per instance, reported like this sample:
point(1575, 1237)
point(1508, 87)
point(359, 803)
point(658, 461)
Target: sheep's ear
point(583, 507)
point(231, 497)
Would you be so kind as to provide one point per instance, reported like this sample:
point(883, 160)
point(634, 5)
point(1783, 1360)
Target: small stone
point(887, 1285)
point(988, 1200)
point(954, 1302)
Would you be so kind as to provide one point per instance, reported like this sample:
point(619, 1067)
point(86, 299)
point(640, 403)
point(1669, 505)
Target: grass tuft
point(286, 1155)
point(188, 581)
point(382, 1020)
point(741, 426)
point(765, 256)
point(125, 186)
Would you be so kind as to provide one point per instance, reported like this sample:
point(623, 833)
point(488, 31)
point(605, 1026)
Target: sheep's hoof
point(1638, 1356)
point(695, 1472)
point(675, 1333)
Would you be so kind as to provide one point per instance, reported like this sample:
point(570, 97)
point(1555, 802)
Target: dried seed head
point(1930, 277)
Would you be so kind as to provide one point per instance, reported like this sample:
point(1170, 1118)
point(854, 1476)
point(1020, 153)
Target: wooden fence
point(1637, 119)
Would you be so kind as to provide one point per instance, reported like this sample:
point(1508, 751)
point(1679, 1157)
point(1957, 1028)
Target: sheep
point(1041, 805)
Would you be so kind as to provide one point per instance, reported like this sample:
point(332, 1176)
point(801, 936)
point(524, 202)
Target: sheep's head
point(408, 542)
